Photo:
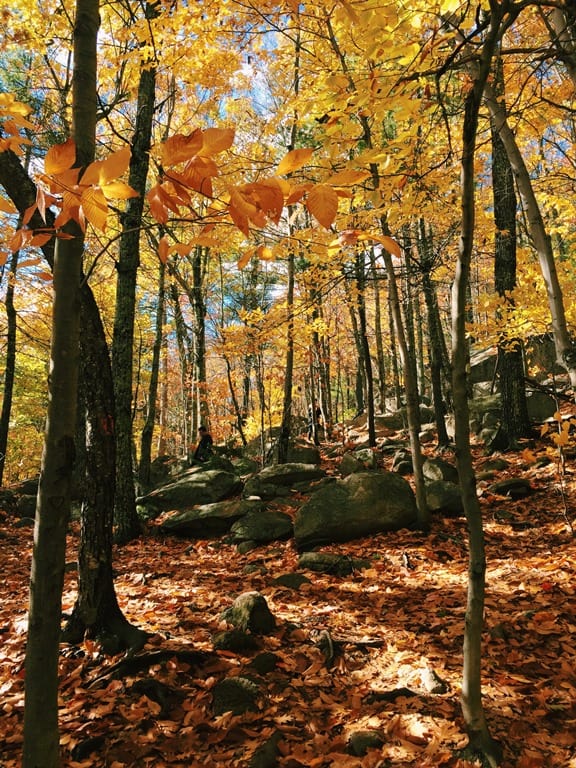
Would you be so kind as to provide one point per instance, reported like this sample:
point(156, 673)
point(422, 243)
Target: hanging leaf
point(322, 202)
point(163, 249)
point(389, 243)
point(294, 160)
point(348, 177)
point(265, 253)
point(216, 140)
point(95, 207)
point(179, 148)
point(118, 190)
point(60, 157)
point(7, 206)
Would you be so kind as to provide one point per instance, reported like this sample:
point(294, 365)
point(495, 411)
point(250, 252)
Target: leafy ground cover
point(392, 625)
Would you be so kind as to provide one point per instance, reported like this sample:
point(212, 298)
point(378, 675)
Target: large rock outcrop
point(361, 504)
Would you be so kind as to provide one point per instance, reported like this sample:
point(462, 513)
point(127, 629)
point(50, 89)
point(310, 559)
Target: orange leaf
point(216, 140)
point(294, 160)
point(118, 190)
point(178, 148)
point(347, 178)
point(389, 243)
point(163, 249)
point(7, 206)
point(60, 157)
point(245, 258)
point(322, 202)
point(95, 207)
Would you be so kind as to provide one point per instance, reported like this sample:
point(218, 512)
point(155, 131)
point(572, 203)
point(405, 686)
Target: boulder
point(193, 487)
point(304, 454)
point(279, 479)
point(360, 504)
point(328, 562)
point(237, 695)
point(439, 469)
point(209, 520)
point(261, 525)
point(444, 497)
point(250, 612)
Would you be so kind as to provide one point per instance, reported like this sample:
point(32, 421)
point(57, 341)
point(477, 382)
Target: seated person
point(204, 448)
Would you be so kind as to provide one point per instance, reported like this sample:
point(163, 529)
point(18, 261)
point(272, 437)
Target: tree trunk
point(41, 735)
point(363, 336)
point(565, 348)
point(128, 526)
point(510, 364)
point(285, 428)
point(472, 708)
point(9, 363)
point(148, 429)
point(380, 357)
point(437, 344)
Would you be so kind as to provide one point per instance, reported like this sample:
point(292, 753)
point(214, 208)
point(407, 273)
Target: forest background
point(288, 206)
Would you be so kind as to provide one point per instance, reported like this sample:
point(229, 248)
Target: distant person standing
point(314, 421)
point(204, 448)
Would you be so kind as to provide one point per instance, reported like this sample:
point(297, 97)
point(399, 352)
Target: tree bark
point(565, 347)
point(128, 525)
point(510, 365)
point(147, 435)
point(472, 708)
point(9, 363)
point(41, 733)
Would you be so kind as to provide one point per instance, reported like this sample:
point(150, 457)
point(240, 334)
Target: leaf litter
point(391, 626)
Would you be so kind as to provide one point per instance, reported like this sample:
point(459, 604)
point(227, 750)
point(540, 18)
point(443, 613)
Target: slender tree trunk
point(565, 347)
point(9, 363)
point(510, 365)
point(380, 357)
point(472, 708)
point(150, 422)
point(285, 428)
point(363, 336)
point(41, 733)
point(186, 357)
point(128, 525)
point(198, 301)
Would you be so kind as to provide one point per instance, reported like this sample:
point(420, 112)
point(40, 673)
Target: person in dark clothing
point(314, 421)
point(204, 448)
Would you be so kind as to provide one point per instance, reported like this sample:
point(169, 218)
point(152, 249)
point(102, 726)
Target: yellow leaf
point(265, 253)
point(178, 148)
point(389, 243)
point(115, 165)
point(322, 202)
point(216, 140)
point(245, 258)
point(347, 178)
point(60, 157)
point(95, 207)
point(7, 206)
point(294, 160)
point(118, 190)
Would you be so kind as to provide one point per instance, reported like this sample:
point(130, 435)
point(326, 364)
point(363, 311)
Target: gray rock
point(304, 454)
point(196, 486)
point(235, 694)
point(541, 406)
point(439, 469)
point(291, 580)
point(515, 487)
point(279, 479)
point(209, 520)
point(250, 612)
point(328, 562)
point(444, 497)
point(359, 742)
point(360, 504)
point(262, 525)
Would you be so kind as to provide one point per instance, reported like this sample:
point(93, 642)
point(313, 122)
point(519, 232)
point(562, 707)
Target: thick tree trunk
point(41, 734)
point(128, 526)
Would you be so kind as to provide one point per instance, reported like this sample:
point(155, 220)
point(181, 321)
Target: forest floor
point(393, 623)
